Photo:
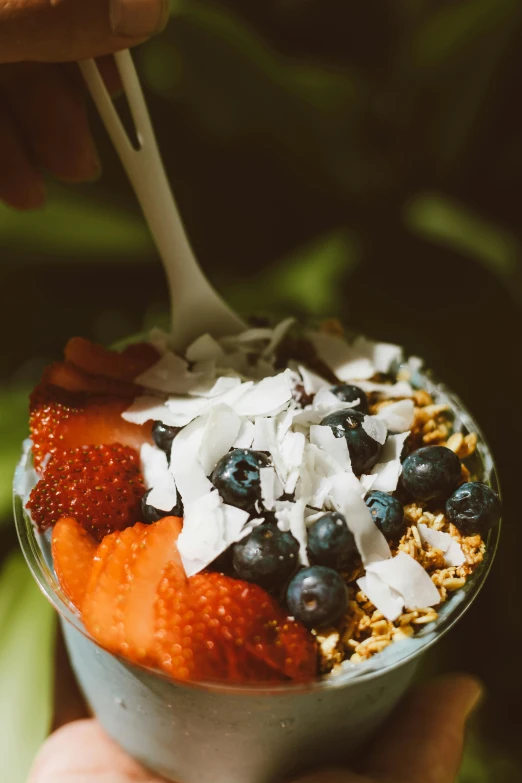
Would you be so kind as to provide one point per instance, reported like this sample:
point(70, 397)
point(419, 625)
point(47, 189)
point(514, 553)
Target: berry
point(100, 486)
point(236, 477)
point(387, 513)
point(331, 543)
point(97, 360)
point(63, 419)
point(267, 556)
point(317, 596)
point(118, 607)
point(68, 376)
point(473, 508)
point(348, 393)
point(364, 450)
point(431, 472)
point(163, 435)
point(228, 630)
point(151, 514)
point(73, 552)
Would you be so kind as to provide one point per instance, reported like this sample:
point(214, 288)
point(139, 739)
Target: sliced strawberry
point(68, 376)
point(100, 486)
point(118, 609)
point(102, 605)
point(64, 419)
point(97, 360)
point(73, 553)
point(224, 629)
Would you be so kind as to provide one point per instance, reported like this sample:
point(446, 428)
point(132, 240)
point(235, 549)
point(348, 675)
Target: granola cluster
point(364, 630)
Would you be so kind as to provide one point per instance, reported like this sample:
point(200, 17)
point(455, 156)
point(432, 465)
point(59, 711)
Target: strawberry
point(73, 552)
point(63, 419)
point(100, 486)
point(68, 376)
point(225, 629)
point(118, 609)
point(97, 360)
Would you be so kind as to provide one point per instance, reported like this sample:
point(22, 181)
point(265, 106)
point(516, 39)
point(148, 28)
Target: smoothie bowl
point(251, 545)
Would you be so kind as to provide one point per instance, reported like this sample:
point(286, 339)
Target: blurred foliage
point(361, 159)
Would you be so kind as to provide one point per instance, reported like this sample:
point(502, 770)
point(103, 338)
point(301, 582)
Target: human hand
point(421, 743)
point(43, 121)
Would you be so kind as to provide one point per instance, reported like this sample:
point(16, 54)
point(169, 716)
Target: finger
point(68, 701)
point(75, 29)
point(423, 742)
point(21, 184)
point(53, 118)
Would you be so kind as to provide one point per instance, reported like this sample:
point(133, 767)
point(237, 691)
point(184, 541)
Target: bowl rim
point(31, 547)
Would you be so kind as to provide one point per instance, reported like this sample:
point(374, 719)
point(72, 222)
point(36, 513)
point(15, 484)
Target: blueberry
point(364, 450)
point(348, 393)
point(331, 543)
point(473, 508)
point(387, 513)
point(431, 472)
point(267, 557)
point(151, 514)
point(236, 477)
point(163, 435)
point(317, 596)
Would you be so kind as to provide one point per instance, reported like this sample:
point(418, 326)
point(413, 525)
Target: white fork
point(196, 307)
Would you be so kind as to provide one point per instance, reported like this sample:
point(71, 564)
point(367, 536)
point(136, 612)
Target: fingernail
point(138, 18)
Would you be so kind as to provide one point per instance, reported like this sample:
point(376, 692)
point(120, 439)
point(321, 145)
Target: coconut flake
point(398, 416)
point(159, 339)
point(382, 355)
point(245, 436)
point(291, 517)
point(375, 428)
point(327, 402)
point(370, 542)
point(189, 475)
point(387, 390)
point(450, 548)
point(217, 387)
point(158, 478)
point(254, 335)
point(183, 410)
point(383, 597)
point(264, 434)
point(221, 430)
point(407, 577)
point(209, 528)
point(337, 448)
point(271, 487)
point(345, 362)
point(169, 375)
point(203, 349)
point(311, 381)
point(147, 408)
point(388, 470)
point(277, 336)
point(267, 396)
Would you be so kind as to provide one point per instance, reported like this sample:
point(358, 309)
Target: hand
point(43, 122)
point(421, 743)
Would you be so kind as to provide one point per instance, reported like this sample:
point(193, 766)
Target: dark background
point(329, 157)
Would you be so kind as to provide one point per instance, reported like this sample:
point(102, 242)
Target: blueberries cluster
point(317, 595)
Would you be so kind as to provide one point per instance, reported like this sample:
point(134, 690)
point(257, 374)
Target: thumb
point(65, 30)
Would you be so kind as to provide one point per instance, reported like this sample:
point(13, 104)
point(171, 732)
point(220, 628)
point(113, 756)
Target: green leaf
point(74, 226)
point(440, 219)
point(13, 426)
point(305, 282)
point(27, 625)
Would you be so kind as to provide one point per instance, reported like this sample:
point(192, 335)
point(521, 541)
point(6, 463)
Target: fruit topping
point(225, 629)
point(73, 552)
point(473, 508)
point(63, 419)
point(151, 514)
point(387, 513)
point(163, 435)
point(317, 596)
point(364, 450)
point(267, 556)
point(331, 543)
point(349, 393)
point(97, 360)
point(68, 376)
point(431, 472)
point(237, 478)
point(100, 486)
